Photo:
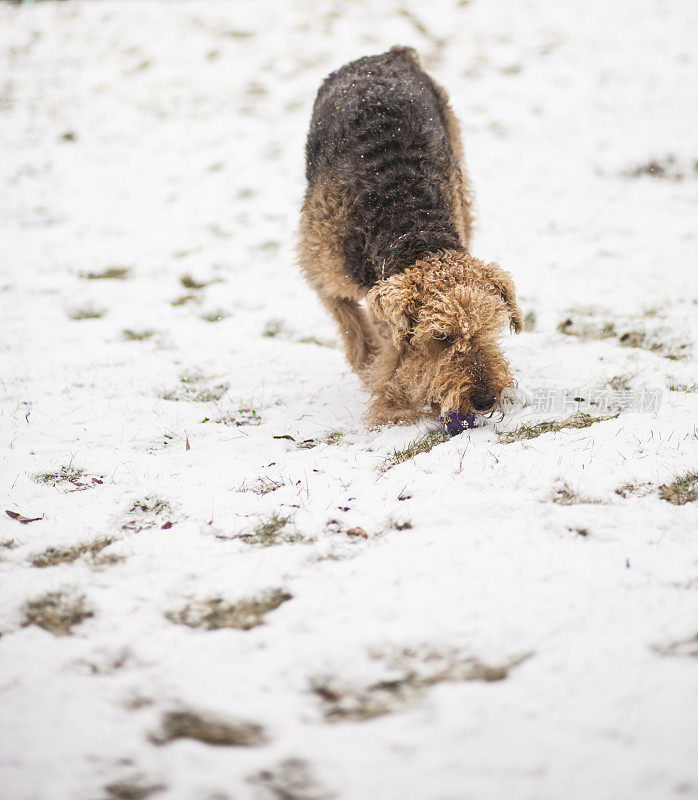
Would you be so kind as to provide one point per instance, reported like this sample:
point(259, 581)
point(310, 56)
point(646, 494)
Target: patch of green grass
point(148, 512)
point(314, 340)
point(273, 328)
point(291, 779)
point(190, 389)
point(188, 724)
point(576, 421)
point(415, 673)
point(530, 321)
point(264, 486)
point(53, 556)
point(215, 613)
point(582, 325)
point(564, 495)
point(214, 316)
point(683, 489)
point(675, 386)
point(666, 168)
point(57, 612)
point(110, 273)
point(182, 300)
point(191, 283)
point(682, 647)
point(137, 336)
point(423, 444)
point(240, 417)
point(628, 489)
point(588, 330)
point(67, 474)
point(270, 530)
point(86, 312)
point(106, 663)
point(137, 788)
point(621, 382)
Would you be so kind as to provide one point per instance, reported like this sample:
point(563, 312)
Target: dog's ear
point(503, 283)
point(394, 302)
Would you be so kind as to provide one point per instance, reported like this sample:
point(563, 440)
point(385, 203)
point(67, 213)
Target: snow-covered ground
point(505, 623)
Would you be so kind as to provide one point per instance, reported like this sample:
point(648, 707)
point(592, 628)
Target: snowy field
point(232, 588)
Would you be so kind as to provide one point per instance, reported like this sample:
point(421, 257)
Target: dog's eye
point(451, 339)
point(445, 337)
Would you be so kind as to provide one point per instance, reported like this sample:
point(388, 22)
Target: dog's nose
point(482, 400)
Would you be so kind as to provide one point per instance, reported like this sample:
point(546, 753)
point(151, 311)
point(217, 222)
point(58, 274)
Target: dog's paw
point(382, 413)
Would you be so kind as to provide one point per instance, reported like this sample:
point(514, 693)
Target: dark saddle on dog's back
point(378, 132)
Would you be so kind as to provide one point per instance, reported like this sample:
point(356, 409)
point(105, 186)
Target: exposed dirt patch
point(57, 612)
point(187, 724)
point(53, 556)
point(216, 613)
point(683, 489)
point(149, 512)
point(291, 779)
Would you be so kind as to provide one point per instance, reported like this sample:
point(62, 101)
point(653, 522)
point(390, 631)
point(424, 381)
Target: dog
point(384, 240)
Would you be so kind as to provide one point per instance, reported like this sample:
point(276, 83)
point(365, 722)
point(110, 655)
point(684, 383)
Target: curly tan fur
point(384, 236)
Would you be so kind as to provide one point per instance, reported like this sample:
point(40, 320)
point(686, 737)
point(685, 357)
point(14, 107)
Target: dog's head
point(446, 316)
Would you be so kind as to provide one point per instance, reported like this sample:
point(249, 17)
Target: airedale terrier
point(387, 219)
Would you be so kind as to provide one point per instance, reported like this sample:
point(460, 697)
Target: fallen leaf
point(166, 526)
point(188, 446)
point(21, 518)
point(284, 436)
point(357, 532)
point(97, 480)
